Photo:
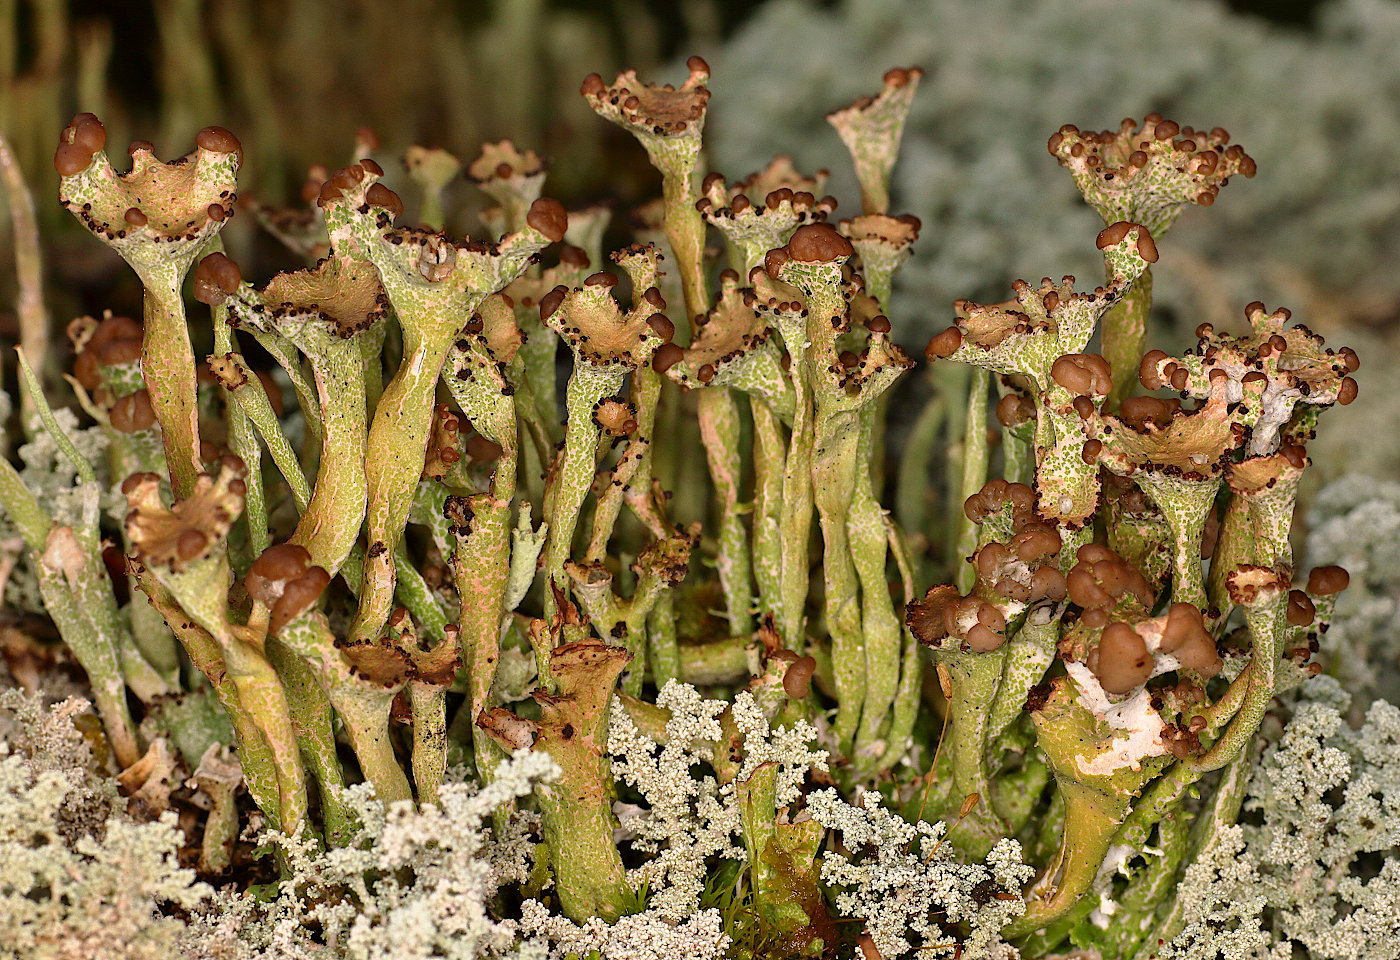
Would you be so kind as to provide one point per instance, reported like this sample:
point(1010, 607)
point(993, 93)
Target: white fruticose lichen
point(1225, 926)
point(785, 746)
point(1312, 863)
point(644, 936)
point(412, 885)
point(52, 477)
point(81, 878)
point(906, 883)
point(687, 819)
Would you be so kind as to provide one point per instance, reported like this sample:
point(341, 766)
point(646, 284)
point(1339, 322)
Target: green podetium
point(158, 216)
point(1146, 174)
point(182, 548)
point(434, 285)
point(572, 728)
point(327, 313)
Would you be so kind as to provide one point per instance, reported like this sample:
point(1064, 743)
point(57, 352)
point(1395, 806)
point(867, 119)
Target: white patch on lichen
point(1107, 907)
point(1151, 632)
point(1135, 715)
point(1113, 862)
point(1278, 402)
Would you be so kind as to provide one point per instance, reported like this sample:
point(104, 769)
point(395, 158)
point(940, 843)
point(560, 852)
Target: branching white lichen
point(688, 819)
point(81, 878)
point(785, 746)
point(904, 882)
point(412, 884)
point(1312, 864)
point(645, 936)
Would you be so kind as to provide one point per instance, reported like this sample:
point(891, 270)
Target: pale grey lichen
point(689, 818)
point(53, 478)
point(412, 885)
point(80, 877)
point(84, 879)
point(1220, 925)
point(1312, 863)
point(1355, 523)
point(644, 936)
point(903, 881)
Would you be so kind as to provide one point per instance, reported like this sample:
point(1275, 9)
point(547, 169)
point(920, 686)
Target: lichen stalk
point(313, 722)
point(435, 286)
point(1123, 333)
point(976, 678)
point(361, 702)
point(198, 581)
point(157, 217)
point(663, 643)
point(1030, 652)
point(577, 808)
point(244, 445)
point(29, 270)
point(252, 407)
point(331, 520)
point(575, 468)
point(328, 313)
point(769, 455)
point(795, 517)
point(1264, 596)
point(1185, 504)
point(167, 362)
point(882, 629)
point(719, 431)
point(254, 754)
point(92, 648)
point(480, 572)
point(428, 703)
point(221, 826)
point(62, 572)
point(916, 465)
point(834, 465)
point(975, 460)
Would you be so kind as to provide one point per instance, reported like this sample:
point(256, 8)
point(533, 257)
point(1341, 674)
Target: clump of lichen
point(81, 877)
point(454, 730)
point(1312, 863)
